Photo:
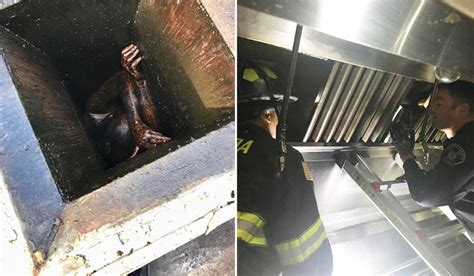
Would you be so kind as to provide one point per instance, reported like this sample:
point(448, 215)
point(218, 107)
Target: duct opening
point(345, 104)
point(77, 45)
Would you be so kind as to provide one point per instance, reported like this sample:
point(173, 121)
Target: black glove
point(401, 139)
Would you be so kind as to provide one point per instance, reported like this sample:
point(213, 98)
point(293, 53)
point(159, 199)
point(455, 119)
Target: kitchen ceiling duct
point(357, 105)
point(403, 37)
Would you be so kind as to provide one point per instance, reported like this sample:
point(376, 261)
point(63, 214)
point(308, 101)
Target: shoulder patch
point(454, 154)
point(307, 172)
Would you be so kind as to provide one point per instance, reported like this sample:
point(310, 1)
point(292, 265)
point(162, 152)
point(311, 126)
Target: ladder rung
point(447, 231)
point(393, 182)
point(405, 265)
point(397, 215)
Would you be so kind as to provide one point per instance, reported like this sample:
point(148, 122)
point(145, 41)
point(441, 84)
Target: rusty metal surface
point(82, 39)
point(23, 166)
point(193, 58)
point(222, 14)
point(111, 212)
point(159, 181)
point(63, 142)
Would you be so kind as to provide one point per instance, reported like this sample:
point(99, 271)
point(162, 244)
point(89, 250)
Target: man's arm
point(144, 136)
point(443, 184)
point(130, 60)
point(147, 108)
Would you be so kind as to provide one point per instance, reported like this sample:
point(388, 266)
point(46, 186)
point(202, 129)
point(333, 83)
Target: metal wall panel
point(426, 32)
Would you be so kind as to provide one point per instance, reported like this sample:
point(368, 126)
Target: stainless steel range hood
point(402, 37)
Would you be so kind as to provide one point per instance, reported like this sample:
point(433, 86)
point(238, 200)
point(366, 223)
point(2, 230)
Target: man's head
point(262, 114)
point(453, 106)
point(260, 95)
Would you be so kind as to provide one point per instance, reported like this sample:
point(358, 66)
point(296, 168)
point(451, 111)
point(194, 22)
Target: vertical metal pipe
point(286, 99)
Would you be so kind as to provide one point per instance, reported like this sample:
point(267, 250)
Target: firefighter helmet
point(258, 82)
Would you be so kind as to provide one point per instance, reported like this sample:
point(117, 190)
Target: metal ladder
point(395, 213)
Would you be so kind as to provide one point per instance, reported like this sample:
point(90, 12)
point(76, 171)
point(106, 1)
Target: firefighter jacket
point(278, 224)
point(451, 181)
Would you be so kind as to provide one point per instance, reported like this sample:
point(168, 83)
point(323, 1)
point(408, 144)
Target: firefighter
point(279, 229)
point(451, 181)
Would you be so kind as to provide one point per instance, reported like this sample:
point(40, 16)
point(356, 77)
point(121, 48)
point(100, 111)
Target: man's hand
point(402, 141)
point(130, 59)
point(147, 138)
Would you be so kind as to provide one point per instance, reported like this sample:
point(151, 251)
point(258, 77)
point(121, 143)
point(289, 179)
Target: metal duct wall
point(358, 105)
point(406, 37)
